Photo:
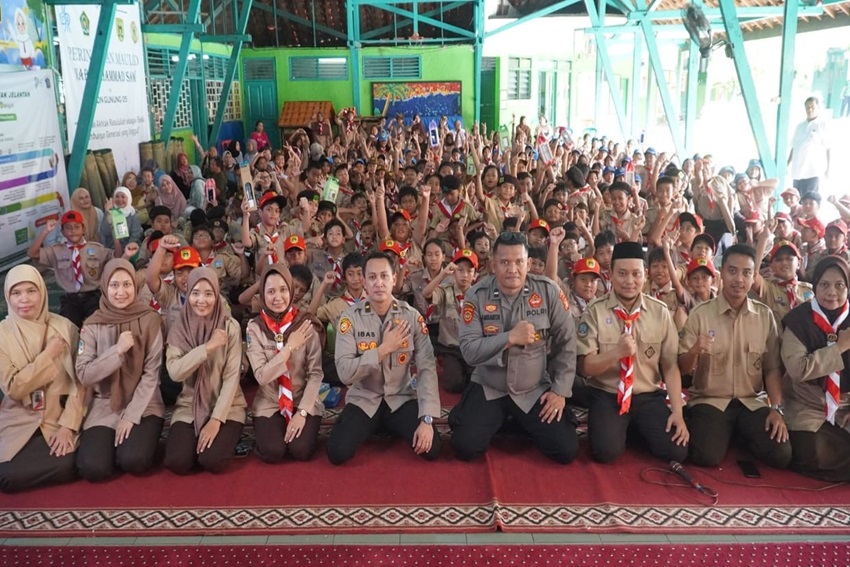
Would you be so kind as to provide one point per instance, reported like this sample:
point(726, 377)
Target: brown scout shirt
point(223, 368)
point(773, 295)
point(655, 335)
point(746, 346)
point(409, 373)
point(98, 359)
point(447, 309)
point(93, 256)
point(305, 372)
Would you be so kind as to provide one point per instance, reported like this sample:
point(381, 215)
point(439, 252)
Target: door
point(489, 94)
point(547, 95)
point(260, 87)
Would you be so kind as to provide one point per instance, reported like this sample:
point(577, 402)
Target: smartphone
point(434, 134)
point(749, 469)
point(250, 197)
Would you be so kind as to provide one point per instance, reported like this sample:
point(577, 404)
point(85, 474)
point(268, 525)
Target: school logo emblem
point(119, 28)
point(293, 240)
point(185, 254)
point(490, 307)
point(85, 24)
point(590, 262)
point(468, 313)
point(134, 32)
point(583, 329)
point(535, 300)
point(344, 325)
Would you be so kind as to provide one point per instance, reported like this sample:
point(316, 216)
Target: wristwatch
point(779, 408)
point(427, 419)
point(302, 413)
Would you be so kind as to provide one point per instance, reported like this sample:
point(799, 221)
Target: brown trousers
point(98, 457)
point(181, 448)
point(270, 446)
point(35, 466)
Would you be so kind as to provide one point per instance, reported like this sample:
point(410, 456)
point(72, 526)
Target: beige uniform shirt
point(442, 211)
point(773, 295)
point(227, 267)
point(666, 294)
point(802, 394)
point(409, 373)
point(522, 372)
point(223, 367)
point(171, 302)
point(97, 359)
point(746, 346)
point(419, 280)
point(495, 213)
point(18, 420)
point(447, 309)
point(625, 223)
point(305, 373)
point(93, 257)
point(655, 335)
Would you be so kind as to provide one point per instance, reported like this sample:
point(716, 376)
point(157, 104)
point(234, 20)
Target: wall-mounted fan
point(699, 29)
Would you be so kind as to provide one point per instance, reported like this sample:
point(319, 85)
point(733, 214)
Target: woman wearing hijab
point(122, 199)
point(285, 351)
point(171, 197)
point(205, 354)
point(816, 354)
point(93, 217)
point(119, 358)
point(42, 404)
point(183, 175)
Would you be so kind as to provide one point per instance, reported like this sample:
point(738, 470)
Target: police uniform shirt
point(522, 372)
point(409, 373)
point(745, 347)
point(93, 256)
point(655, 336)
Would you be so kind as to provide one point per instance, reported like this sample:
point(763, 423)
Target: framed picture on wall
point(430, 100)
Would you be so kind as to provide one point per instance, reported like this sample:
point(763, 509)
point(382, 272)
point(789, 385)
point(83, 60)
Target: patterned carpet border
point(433, 518)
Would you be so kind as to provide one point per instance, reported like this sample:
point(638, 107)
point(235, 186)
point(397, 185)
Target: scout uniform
point(584, 266)
point(515, 378)
point(226, 266)
point(782, 296)
point(610, 221)
point(442, 211)
point(399, 391)
point(666, 294)
point(728, 382)
point(321, 262)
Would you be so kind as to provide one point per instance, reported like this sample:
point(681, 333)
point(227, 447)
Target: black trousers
point(354, 427)
point(270, 445)
point(476, 419)
point(456, 372)
point(712, 430)
point(648, 414)
point(98, 457)
point(824, 454)
point(329, 370)
point(76, 307)
point(35, 466)
point(181, 448)
point(169, 389)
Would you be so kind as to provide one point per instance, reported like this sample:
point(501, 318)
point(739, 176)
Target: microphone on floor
point(680, 471)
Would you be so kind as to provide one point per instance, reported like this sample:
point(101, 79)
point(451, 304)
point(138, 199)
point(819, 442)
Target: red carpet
point(656, 555)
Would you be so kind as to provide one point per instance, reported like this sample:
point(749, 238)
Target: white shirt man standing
point(810, 147)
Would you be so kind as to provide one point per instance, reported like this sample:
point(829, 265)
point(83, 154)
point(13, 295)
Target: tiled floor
point(497, 538)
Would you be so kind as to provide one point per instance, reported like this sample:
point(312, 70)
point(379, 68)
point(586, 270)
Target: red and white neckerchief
point(659, 292)
point(349, 299)
point(627, 363)
point(832, 384)
point(709, 192)
point(686, 256)
point(789, 286)
point(447, 210)
point(285, 402)
point(606, 280)
point(504, 208)
point(219, 245)
point(154, 304)
point(404, 248)
point(272, 239)
point(459, 299)
point(208, 262)
point(336, 266)
point(77, 262)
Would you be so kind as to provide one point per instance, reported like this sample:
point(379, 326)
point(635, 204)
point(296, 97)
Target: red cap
point(790, 191)
point(701, 263)
point(270, 196)
point(783, 244)
point(468, 255)
point(539, 223)
point(693, 218)
point(783, 216)
point(390, 246)
point(187, 257)
point(72, 216)
point(294, 242)
point(403, 213)
point(154, 244)
point(753, 216)
point(839, 224)
point(586, 266)
point(813, 223)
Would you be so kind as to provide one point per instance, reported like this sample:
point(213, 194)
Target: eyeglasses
point(512, 238)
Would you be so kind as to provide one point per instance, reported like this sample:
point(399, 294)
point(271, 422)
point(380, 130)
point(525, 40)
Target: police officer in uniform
point(627, 349)
point(517, 331)
point(384, 355)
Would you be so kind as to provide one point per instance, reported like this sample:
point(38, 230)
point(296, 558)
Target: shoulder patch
point(563, 297)
point(423, 327)
point(344, 325)
point(583, 329)
point(80, 347)
point(468, 312)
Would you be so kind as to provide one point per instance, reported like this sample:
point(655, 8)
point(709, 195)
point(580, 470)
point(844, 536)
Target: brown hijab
point(139, 319)
point(192, 331)
point(283, 271)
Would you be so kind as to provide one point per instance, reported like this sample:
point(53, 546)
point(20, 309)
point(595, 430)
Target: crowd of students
point(542, 272)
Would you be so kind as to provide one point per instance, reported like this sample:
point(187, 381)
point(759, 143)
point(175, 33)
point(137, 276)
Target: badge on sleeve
point(490, 307)
point(422, 325)
point(402, 358)
point(344, 325)
point(535, 300)
point(468, 312)
point(583, 329)
point(80, 348)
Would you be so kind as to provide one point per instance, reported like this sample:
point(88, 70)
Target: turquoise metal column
point(354, 52)
point(691, 98)
point(745, 81)
point(478, 54)
point(786, 80)
point(661, 82)
point(635, 91)
point(236, 50)
point(602, 55)
point(180, 71)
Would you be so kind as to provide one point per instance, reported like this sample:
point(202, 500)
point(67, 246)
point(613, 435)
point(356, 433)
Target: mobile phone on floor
point(749, 469)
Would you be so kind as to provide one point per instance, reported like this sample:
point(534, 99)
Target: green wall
point(450, 63)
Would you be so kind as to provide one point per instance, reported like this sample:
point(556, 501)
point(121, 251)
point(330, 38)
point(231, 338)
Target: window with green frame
point(318, 68)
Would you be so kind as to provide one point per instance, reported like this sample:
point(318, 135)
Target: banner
point(23, 39)
point(33, 185)
point(121, 119)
